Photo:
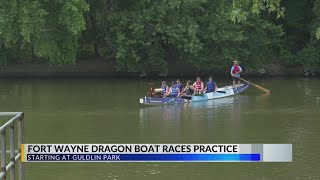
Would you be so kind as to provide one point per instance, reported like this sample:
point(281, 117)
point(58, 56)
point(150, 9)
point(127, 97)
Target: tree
point(41, 29)
point(145, 32)
point(20, 23)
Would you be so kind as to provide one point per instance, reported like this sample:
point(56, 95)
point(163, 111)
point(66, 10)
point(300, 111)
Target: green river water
point(106, 111)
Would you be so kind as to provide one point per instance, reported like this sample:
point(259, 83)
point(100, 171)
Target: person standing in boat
point(173, 90)
point(198, 85)
point(179, 85)
point(188, 90)
point(164, 88)
point(211, 86)
point(235, 73)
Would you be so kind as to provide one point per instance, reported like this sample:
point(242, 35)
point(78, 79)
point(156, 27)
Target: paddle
point(267, 91)
point(216, 91)
point(221, 91)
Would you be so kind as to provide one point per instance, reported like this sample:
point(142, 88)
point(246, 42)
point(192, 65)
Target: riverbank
point(103, 68)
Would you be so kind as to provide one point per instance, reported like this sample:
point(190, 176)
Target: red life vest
point(198, 85)
point(236, 69)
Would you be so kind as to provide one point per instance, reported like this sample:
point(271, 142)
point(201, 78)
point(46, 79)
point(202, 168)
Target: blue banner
point(144, 157)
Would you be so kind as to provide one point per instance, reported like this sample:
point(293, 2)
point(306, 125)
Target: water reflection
point(310, 91)
point(174, 113)
point(195, 119)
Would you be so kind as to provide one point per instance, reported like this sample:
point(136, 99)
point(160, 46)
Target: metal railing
point(15, 155)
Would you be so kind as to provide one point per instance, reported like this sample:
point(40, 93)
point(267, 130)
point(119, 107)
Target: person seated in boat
point(211, 86)
point(198, 85)
point(188, 90)
point(164, 88)
point(179, 85)
point(173, 90)
point(235, 73)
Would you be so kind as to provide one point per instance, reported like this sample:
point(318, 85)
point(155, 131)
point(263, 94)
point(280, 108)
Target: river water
point(107, 111)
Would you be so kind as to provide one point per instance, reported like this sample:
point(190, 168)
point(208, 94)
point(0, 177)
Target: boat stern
point(240, 89)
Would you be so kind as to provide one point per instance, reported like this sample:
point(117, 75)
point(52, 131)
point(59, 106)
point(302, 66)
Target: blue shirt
point(174, 91)
point(210, 86)
point(180, 86)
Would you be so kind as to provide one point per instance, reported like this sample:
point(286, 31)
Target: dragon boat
point(222, 92)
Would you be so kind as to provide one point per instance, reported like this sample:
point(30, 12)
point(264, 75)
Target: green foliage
point(71, 15)
point(41, 29)
point(318, 33)
point(288, 58)
point(316, 23)
point(310, 58)
point(224, 40)
point(58, 43)
point(8, 28)
point(241, 8)
point(199, 31)
point(145, 35)
point(3, 56)
point(31, 20)
point(238, 15)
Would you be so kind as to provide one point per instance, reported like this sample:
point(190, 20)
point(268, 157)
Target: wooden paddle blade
point(267, 91)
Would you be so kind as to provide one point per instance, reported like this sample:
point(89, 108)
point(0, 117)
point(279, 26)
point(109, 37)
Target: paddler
point(211, 86)
point(198, 85)
point(173, 90)
point(179, 85)
point(164, 88)
point(235, 73)
point(189, 89)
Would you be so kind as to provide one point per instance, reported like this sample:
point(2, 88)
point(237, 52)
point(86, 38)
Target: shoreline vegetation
point(104, 68)
point(159, 38)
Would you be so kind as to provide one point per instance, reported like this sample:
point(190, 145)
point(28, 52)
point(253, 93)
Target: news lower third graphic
point(156, 153)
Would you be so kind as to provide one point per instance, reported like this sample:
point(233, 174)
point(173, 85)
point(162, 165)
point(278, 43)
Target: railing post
point(3, 152)
point(21, 141)
point(12, 153)
point(15, 155)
